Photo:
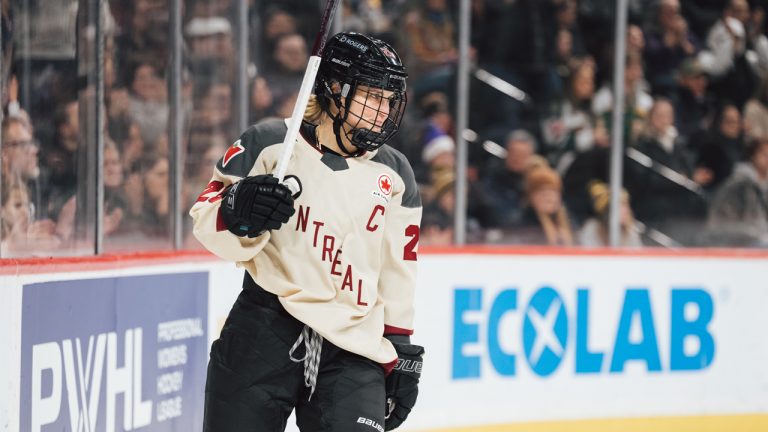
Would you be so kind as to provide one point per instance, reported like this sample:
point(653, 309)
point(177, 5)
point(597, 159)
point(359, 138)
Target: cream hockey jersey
point(345, 263)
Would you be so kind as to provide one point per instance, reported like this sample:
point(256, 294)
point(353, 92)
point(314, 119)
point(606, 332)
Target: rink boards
point(516, 340)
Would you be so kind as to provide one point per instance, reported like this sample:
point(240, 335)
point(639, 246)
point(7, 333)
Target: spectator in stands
point(694, 107)
point(213, 110)
point(589, 165)
point(19, 234)
point(721, 148)
point(570, 127)
point(485, 21)
point(20, 152)
point(637, 101)
point(368, 17)
point(439, 205)
point(598, 19)
point(702, 14)
point(439, 210)
point(117, 98)
point(114, 201)
point(435, 148)
point(149, 102)
point(290, 61)
point(532, 65)
point(436, 230)
point(210, 40)
point(635, 40)
point(595, 231)
point(114, 195)
point(60, 157)
point(756, 112)
point(14, 217)
point(505, 180)
point(439, 153)
point(145, 33)
point(276, 22)
point(20, 163)
point(668, 43)
point(430, 38)
point(545, 220)
point(261, 100)
point(208, 151)
point(155, 212)
point(738, 213)
point(130, 145)
point(727, 57)
point(567, 21)
point(660, 199)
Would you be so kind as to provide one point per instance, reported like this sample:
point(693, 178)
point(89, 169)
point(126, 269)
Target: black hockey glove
point(256, 204)
point(402, 384)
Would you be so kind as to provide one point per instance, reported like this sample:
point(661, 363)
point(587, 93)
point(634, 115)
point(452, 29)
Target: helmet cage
point(363, 106)
point(362, 77)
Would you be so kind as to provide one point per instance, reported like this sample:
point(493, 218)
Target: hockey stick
point(303, 98)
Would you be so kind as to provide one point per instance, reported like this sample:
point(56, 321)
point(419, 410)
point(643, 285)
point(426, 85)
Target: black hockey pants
point(253, 385)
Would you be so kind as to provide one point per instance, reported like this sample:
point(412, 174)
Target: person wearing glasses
point(21, 169)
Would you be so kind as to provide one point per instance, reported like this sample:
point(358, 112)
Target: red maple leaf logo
point(234, 150)
point(388, 53)
point(385, 184)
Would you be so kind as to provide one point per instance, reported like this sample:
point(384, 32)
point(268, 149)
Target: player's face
point(369, 108)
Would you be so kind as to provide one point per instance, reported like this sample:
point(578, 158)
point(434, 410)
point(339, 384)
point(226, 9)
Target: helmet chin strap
point(338, 130)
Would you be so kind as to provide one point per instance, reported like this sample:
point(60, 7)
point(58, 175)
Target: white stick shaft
point(298, 114)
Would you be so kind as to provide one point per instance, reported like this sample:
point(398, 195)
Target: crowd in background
point(695, 120)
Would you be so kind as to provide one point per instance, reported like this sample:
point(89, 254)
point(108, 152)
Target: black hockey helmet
point(349, 61)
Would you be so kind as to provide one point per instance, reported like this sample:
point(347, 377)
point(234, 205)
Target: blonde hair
point(600, 194)
point(14, 185)
point(557, 227)
point(314, 112)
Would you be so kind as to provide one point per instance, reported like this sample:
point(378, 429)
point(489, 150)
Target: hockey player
point(326, 309)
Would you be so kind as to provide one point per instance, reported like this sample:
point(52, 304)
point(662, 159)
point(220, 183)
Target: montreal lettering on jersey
point(330, 252)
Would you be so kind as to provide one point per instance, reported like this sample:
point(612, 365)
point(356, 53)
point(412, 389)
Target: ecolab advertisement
point(106, 354)
point(529, 339)
point(510, 340)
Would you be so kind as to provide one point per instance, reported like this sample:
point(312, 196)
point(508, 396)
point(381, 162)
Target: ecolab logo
point(548, 329)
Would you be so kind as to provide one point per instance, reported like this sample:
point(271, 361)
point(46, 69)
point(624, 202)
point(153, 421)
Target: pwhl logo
point(546, 329)
point(115, 354)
